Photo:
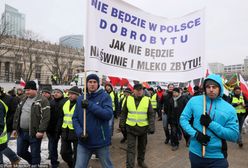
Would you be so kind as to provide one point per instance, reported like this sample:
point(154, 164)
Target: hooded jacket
point(224, 125)
point(98, 114)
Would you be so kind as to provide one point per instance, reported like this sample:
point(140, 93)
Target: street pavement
point(160, 155)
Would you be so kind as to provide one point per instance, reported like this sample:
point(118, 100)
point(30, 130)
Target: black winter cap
point(176, 90)
point(128, 90)
point(138, 86)
point(30, 85)
point(236, 88)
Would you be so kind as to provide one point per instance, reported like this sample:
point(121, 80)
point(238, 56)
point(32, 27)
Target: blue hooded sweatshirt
point(98, 114)
point(224, 123)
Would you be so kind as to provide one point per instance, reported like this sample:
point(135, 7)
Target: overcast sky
point(226, 21)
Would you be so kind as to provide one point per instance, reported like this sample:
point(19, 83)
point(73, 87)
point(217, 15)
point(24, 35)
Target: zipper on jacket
point(210, 108)
point(103, 134)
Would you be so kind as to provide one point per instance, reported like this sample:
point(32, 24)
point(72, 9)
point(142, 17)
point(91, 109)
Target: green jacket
point(40, 115)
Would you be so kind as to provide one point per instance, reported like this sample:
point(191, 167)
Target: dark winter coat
point(12, 103)
point(39, 116)
point(2, 124)
point(166, 102)
point(54, 126)
point(175, 112)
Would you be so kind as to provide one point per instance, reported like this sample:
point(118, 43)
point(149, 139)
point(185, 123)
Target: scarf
point(175, 100)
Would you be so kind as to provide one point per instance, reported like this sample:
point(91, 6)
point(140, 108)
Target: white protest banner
point(127, 42)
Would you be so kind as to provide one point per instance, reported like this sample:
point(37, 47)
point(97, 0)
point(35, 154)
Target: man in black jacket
point(11, 102)
point(165, 109)
point(176, 105)
point(54, 127)
point(69, 139)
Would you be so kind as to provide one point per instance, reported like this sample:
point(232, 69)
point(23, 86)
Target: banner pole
point(204, 128)
point(85, 60)
point(84, 131)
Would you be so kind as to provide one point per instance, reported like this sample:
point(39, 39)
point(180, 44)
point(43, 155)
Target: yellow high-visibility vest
point(154, 101)
point(239, 108)
point(120, 94)
point(137, 116)
point(123, 101)
point(122, 97)
point(112, 95)
point(67, 120)
point(4, 136)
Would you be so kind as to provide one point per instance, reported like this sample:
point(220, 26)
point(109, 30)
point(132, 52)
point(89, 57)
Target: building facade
point(74, 41)
point(216, 67)
point(29, 59)
point(229, 70)
point(238, 68)
point(13, 22)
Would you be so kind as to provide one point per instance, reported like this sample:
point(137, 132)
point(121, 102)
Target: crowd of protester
point(28, 114)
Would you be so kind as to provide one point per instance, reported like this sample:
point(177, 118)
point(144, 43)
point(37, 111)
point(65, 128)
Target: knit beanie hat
point(176, 90)
point(236, 88)
point(93, 76)
point(30, 85)
point(47, 90)
point(128, 90)
point(150, 89)
point(138, 86)
point(59, 90)
point(74, 90)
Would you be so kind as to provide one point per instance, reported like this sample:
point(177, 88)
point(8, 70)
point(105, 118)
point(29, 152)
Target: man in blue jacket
point(220, 121)
point(98, 106)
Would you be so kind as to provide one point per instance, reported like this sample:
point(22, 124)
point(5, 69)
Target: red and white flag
point(22, 83)
point(226, 92)
point(243, 86)
point(130, 85)
point(37, 83)
point(114, 80)
point(190, 87)
point(124, 82)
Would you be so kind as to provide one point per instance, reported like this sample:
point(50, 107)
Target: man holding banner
point(220, 120)
point(97, 138)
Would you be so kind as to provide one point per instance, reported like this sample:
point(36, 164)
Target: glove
point(203, 139)
point(83, 137)
point(85, 104)
point(205, 120)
